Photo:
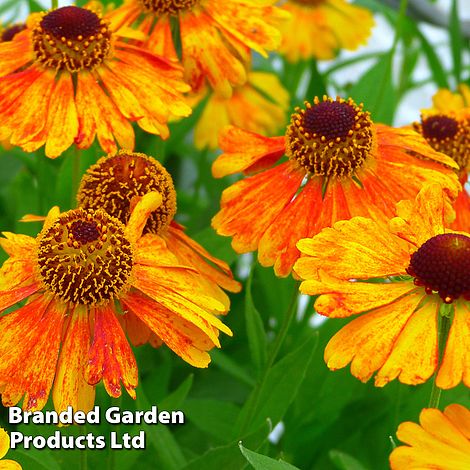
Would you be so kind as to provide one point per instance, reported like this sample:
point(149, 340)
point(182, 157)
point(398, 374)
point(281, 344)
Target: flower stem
point(443, 333)
point(54, 4)
point(281, 336)
point(75, 176)
point(83, 453)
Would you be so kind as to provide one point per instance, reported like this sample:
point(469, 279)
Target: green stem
point(281, 336)
point(83, 453)
point(443, 333)
point(54, 4)
point(75, 176)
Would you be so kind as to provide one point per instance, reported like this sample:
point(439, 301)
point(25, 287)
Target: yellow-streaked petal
point(146, 205)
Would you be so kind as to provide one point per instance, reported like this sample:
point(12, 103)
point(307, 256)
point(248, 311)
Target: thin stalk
point(54, 4)
point(281, 336)
point(83, 453)
point(443, 333)
point(75, 176)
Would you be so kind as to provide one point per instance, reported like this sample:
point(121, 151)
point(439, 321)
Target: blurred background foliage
point(322, 420)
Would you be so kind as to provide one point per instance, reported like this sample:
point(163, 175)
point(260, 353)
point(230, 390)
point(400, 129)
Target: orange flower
point(84, 276)
point(4, 447)
point(416, 266)
point(69, 77)
point(447, 130)
point(216, 37)
point(259, 106)
point(319, 28)
point(116, 182)
point(339, 165)
point(441, 441)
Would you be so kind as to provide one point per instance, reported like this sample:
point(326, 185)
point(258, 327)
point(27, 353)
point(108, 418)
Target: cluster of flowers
point(363, 214)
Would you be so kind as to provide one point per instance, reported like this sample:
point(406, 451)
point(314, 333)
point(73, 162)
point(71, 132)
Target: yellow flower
point(339, 164)
point(69, 77)
point(216, 37)
point(86, 278)
point(259, 106)
point(4, 447)
point(444, 100)
point(319, 28)
point(417, 265)
point(441, 441)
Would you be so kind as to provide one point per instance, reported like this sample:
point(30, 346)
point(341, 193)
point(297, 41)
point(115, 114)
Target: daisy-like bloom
point(339, 165)
point(260, 106)
point(116, 182)
point(216, 37)
point(319, 28)
point(419, 271)
point(448, 131)
point(84, 276)
point(4, 447)
point(69, 77)
point(441, 441)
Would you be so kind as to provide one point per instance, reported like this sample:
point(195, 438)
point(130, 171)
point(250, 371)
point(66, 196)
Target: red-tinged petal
point(249, 206)
point(205, 55)
point(160, 40)
point(14, 272)
point(246, 151)
point(11, 297)
point(87, 111)
point(367, 341)
point(277, 246)
point(62, 125)
point(209, 266)
point(181, 336)
point(29, 350)
point(455, 366)
point(70, 387)
point(110, 357)
point(414, 356)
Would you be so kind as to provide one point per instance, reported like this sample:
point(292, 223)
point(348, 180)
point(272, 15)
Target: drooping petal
point(70, 388)
point(180, 335)
point(29, 349)
point(146, 205)
point(110, 357)
point(367, 341)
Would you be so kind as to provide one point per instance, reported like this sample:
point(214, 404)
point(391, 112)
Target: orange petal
point(459, 416)
point(12, 296)
point(249, 206)
point(462, 212)
point(246, 151)
point(29, 350)
point(110, 357)
point(455, 366)
point(15, 54)
point(70, 388)
point(18, 245)
point(136, 330)
point(181, 336)
point(414, 356)
point(368, 341)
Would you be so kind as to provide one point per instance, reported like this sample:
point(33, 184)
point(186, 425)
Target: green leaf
point(456, 40)
point(255, 330)
point(34, 458)
point(273, 396)
point(229, 457)
point(177, 398)
point(344, 461)
point(225, 363)
point(262, 462)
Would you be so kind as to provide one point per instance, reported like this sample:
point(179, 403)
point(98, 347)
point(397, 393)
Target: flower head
point(116, 182)
point(319, 28)
point(398, 282)
point(440, 441)
point(339, 165)
point(216, 37)
point(4, 447)
point(87, 278)
point(69, 76)
point(448, 131)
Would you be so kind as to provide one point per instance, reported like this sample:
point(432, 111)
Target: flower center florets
point(115, 180)
point(442, 265)
point(448, 134)
point(84, 257)
point(330, 138)
point(164, 7)
point(71, 38)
